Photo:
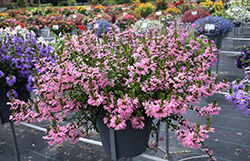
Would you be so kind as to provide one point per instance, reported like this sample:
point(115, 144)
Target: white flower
point(142, 26)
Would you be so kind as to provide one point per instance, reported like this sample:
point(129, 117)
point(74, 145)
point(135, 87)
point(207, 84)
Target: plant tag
point(158, 13)
point(235, 9)
point(209, 27)
point(74, 16)
point(124, 13)
point(194, 12)
point(55, 27)
point(144, 25)
point(63, 15)
point(96, 26)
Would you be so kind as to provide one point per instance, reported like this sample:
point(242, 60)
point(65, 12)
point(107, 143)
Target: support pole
point(167, 140)
point(157, 137)
point(112, 144)
point(14, 141)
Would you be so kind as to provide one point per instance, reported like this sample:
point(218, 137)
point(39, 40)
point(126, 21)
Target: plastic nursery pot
point(217, 39)
point(5, 111)
point(237, 24)
point(81, 27)
point(130, 142)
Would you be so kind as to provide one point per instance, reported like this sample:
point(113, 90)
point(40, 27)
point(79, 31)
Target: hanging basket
point(130, 142)
point(5, 111)
point(217, 39)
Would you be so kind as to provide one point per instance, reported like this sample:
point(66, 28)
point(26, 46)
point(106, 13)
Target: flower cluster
point(48, 10)
point(36, 20)
point(2, 15)
point(105, 16)
point(208, 5)
point(218, 6)
point(18, 49)
point(125, 20)
point(99, 26)
point(244, 59)
point(145, 9)
point(113, 10)
point(82, 10)
point(61, 25)
point(97, 8)
point(223, 13)
point(240, 14)
point(11, 22)
point(173, 10)
point(131, 12)
point(193, 15)
point(37, 11)
point(143, 26)
point(187, 6)
point(239, 94)
point(222, 26)
point(131, 78)
point(76, 19)
point(65, 11)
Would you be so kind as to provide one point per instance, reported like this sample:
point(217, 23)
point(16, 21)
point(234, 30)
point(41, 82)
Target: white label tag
point(55, 27)
point(158, 13)
point(74, 16)
point(194, 13)
point(144, 25)
point(124, 13)
point(235, 9)
point(63, 15)
point(96, 26)
point(209, 27)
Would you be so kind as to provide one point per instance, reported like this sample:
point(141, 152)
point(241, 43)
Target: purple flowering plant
point(239, 94)
point(244, 59)
point(222, 25)
point(19, 49)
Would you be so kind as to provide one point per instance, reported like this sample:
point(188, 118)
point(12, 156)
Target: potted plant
point(214, 27)
point(99, 26)
point(126, 81)
point(161, 5)
point(143, 26)
point(125, 20)
point(81, 10)
point(60, 26)
point(113, 11)
point(243, 61)
point(192, 15)
point(145, 9)
point(173, 10)
point(239, 94)
point(65, 11)
point(240, 14)
point(17, 65)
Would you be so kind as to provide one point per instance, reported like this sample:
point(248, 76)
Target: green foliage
point(21, 3)
point(223, 14)
point(94, 2)
point(46, 5)
point(63, 3)
point(106, 3)
point(72, 2)
point(123, 1)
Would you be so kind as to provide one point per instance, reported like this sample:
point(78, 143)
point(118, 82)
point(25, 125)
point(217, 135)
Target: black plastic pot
point(217, 39)
point(129, 142)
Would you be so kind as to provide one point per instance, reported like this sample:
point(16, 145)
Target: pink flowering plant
point(132, 78)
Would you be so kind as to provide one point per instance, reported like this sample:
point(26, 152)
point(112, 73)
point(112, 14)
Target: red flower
point(21, 24)
point(95, 13)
